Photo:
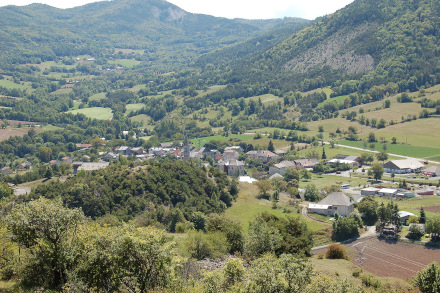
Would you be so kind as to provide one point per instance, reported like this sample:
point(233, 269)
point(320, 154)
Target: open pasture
point(95, 112)
point(389, 258)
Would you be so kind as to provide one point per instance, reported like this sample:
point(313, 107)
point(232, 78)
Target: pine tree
point(422, 219)
point(270, 147)
point(323, 154)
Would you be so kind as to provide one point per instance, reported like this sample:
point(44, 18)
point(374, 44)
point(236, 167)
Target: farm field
point(97, 97)
point(200, 142)
point(144, 119)
point(95, 112)
point(8, 132)
point(339, 100)
point(398, 149)
point(129, 63)
point(387, 258)
point(12, 85)
point(134, 107)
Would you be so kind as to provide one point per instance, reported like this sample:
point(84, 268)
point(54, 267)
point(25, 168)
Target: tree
point(47, 229)
point(312, 193)
point(368, 207)
point(345, 228)
point(291, 174)
point(428, 279)
point(48, 173)
point(377, 170)
point(393, 140)
point(305, 174)
point(422, 219)
point(433, 227)
point(372, 137)
point(261, 238)
point(270, 147)
point(5, 191)
point(263, 186)
point(382, 156)
point(44, 154)
point(367, 158)
point(387, 103)
point(324, 156)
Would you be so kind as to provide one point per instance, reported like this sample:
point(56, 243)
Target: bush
point(184, 227)
point(414, 232)
point(201, 245)
point(336, 251)
point(371, 281)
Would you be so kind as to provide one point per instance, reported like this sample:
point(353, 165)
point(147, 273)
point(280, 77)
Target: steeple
point(186, 149)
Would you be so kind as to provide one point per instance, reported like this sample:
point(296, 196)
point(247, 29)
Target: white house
point(334, 202)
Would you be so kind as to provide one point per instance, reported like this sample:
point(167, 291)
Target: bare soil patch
point(432, 209)
point(7, 133)
point(389, 258)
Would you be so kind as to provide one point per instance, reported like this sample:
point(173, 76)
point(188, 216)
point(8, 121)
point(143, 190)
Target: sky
point(249, 9)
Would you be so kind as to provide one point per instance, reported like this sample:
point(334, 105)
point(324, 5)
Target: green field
point(12, 85)
point(413, 205)
point(51, 127)
point(200, 142)
point(95, 112)
point(134, 107)
point(144, 119)
point(97, 97)
point(129, 63)
point(398, 149)
point(339, 100)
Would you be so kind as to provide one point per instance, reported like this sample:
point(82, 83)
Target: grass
point(327, 180)
point(398, 149)
point(266, 99)
point(51, 127)
point(200, 142)
point(129, 63)
point(339, 100)
point(143, 119)
point(134, 107)
point(413, 205)
point(97, 97)
point(12, 85)
point(95, 112)
point(247, 207)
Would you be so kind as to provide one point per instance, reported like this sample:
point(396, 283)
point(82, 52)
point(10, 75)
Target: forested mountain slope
point(39, 32)
point(371, 42)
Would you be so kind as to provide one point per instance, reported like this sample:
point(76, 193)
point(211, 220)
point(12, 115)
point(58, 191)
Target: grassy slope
point(95, 112)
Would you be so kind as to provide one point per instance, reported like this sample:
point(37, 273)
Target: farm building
point(402, 166)
point(432, 171)
point(369, 191)
point(334, 202)
point(387, 192)
point(405, 193)
point(404, 216)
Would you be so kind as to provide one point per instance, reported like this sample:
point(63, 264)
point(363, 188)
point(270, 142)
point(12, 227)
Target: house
point(136, 151)
point(232, 168)
point(124, 150)
point(387, 192)
point(110, 156)
point(421, 226)
point(306, 163)
point(370, 191)
point(165, 145)
point(230, 155)
point(263, 155)
point(68, 160)
point(54, 163)
point(276, 175)
point(83, 146)
point(6, 171)
point(234, 148)
point(356, 159)
point(402, 166)
point(77, 166)
point(281, 152)
point(349, 162)
point(281, 167)
point(24, 165)
point(404, 216)
point(432, 171)
point(334, 202)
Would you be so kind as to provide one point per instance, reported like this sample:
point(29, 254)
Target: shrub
point(201, 245)
point(371, 281)
point(336, 251)
point(414, 232)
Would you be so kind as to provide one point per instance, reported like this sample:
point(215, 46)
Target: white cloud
point(250, 9)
